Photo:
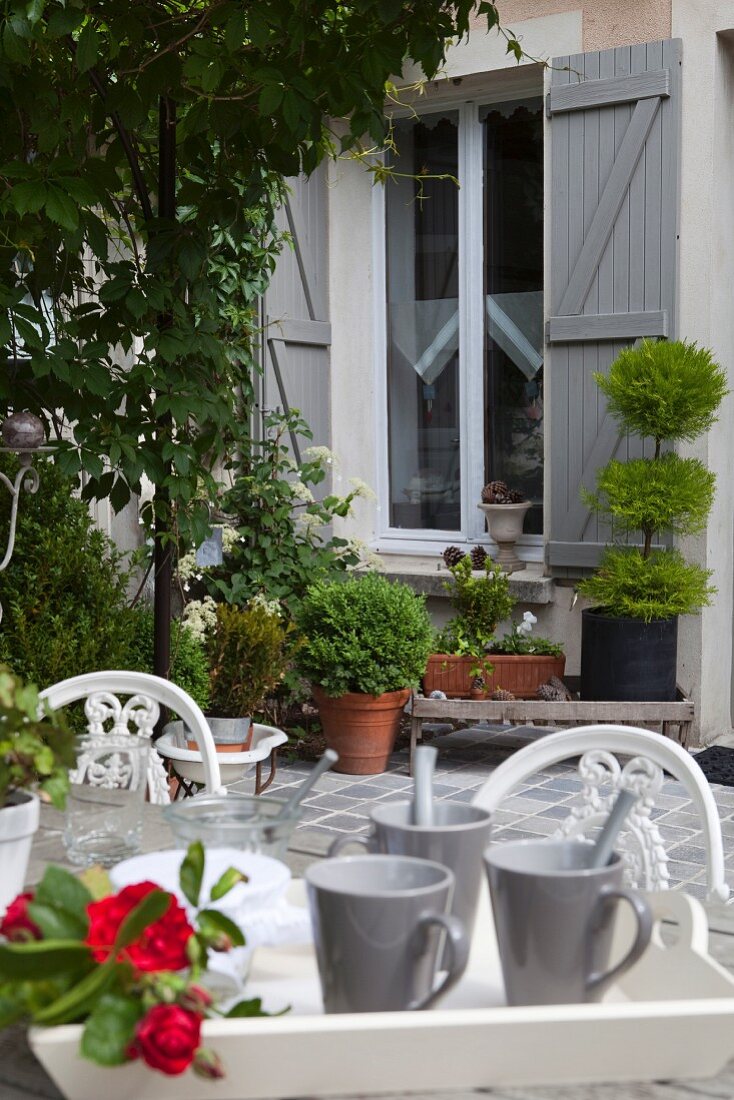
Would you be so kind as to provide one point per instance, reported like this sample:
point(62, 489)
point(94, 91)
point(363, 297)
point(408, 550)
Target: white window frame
point(471, 337)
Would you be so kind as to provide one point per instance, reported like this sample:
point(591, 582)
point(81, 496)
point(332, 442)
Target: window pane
point(514, 300)
point(423, 326)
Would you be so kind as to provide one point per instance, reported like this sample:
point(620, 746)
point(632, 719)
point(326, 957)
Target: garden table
point(22, 1078)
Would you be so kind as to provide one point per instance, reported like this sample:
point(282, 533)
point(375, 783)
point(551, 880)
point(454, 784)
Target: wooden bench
point(674, 719)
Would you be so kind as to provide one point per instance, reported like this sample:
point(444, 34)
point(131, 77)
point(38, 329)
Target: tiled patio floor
point(341, 803)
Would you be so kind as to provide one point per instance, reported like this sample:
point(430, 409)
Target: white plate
point(670, 1017)
point(268, 877)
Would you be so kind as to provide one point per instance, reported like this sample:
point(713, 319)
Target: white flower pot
point(18, 824)
point(505, 523)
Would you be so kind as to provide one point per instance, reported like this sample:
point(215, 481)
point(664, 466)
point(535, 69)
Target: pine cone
point(478, 557)
point(452, 556)
point(495, 493)
point(560, 687)
point(478, 683)
point(550, 694)
point(502, 696)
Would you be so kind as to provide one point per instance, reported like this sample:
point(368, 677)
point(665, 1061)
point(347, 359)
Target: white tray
point(671, 1016)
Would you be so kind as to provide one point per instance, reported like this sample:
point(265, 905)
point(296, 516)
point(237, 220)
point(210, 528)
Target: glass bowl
point(234, 820)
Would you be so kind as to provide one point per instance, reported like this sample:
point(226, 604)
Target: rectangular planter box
point(522, 676)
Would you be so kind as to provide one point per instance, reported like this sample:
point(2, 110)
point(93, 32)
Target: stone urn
point(504, 524)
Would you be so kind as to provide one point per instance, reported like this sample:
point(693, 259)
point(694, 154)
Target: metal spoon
point(604, 845)
point(424, 763)
point(330, 757)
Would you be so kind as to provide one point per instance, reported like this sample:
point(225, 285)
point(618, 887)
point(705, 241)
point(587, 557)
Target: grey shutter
point(615, 120)
point(296, 312)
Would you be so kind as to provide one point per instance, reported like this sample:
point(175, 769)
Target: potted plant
point(523, 661)
point(481, 598)
point(668, 392)
point(248, 655)
point(124, 972)
point(36, 753)
point(504, 510)
point(365, 643)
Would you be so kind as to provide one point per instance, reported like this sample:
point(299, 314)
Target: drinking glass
point(250, 823)
point(104, 808)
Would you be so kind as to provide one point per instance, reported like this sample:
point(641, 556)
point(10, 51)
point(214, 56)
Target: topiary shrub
point(64, 593)
point(670, 392)
point(364, 634)
point(189, 662)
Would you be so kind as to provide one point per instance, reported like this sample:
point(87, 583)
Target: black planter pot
point(627, 659)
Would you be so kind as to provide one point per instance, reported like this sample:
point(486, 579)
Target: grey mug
point(378, 922)
point(457, 840)
point(554, 918)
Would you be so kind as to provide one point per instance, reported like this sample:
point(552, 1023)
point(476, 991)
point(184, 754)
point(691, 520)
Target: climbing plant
point(111, 310)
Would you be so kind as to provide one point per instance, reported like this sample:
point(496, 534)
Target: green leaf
point(87, 48)
point(192, 872)
point(61, 209)
point(110, 1029)
point(34, 10)
point(270, 99)
point(28, 198)
point(253, 1007)
point(64, 891)
point(14, 47)
point(64, 20)
point(97, 881)
point(226, 882)
point(145, 913)
point(57, 924)
point(212, 923)
point(41, 958)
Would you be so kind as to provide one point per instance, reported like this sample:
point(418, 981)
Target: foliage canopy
point(64, 593)
point(364, 634)
point(667, 390)
point(136, 325)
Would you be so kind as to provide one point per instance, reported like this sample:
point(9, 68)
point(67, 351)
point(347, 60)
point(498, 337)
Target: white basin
point(232, 765)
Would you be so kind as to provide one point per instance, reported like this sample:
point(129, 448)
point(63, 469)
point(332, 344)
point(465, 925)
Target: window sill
point(427, 575)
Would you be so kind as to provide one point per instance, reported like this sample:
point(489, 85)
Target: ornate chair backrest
point(107, 714)
point(602, 776)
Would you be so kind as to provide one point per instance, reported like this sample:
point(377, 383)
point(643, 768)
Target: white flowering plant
point(280, 537)
point(521, 642)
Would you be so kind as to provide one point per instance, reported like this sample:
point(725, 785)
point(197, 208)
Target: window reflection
point(423, 326)
point(514, 300)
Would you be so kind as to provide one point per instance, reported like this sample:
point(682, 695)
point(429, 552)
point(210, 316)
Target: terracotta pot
point(520, 675)
point(361, 728)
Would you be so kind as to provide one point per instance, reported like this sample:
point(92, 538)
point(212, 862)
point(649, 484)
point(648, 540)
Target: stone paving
point(341, 803)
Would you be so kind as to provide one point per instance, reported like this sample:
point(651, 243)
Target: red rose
point(16, 924)
point(162, 946)
point(167, 1038)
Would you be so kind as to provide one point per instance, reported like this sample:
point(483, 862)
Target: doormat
point(717, 764)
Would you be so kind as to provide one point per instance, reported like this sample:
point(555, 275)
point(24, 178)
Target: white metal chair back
point(107, 714)
point(602, 776)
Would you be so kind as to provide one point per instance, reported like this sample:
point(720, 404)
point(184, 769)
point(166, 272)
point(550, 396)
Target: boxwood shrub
point(364, 634)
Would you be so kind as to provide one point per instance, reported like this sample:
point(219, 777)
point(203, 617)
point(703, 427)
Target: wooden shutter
point(296, 313)
point(613, 201)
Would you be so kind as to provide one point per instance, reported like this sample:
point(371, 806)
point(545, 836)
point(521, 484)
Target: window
point(463, 317)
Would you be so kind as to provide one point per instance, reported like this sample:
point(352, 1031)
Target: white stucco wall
point(707, 276)
point(706, 316)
